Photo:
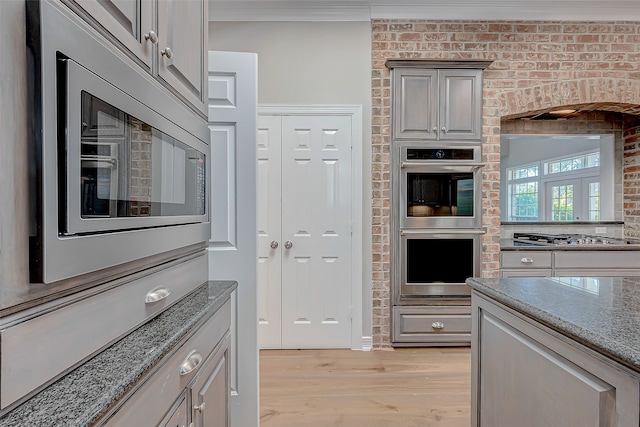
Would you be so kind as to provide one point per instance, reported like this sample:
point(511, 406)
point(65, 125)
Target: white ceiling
point(365, 10)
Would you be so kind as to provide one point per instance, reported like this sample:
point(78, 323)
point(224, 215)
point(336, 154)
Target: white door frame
point(358, 342)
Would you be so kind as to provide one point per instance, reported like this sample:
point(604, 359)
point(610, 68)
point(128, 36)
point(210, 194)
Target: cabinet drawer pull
point(199, 408)
point(192, 361)
point(156, 295)
point(526, 260)
point(437, 325)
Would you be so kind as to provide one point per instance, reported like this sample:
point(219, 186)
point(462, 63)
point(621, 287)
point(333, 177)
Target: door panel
point(233, 103)
point(304, 175)
point(269, 231)
point(316, 213)
point(179, 64)
point(127, 20)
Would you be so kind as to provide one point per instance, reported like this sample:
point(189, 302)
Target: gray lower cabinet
point(113, 313)
point(569, 263)
point(528, 376)
point(190, 385)
point(178, 416)
point(431, 325)
point(210, 391)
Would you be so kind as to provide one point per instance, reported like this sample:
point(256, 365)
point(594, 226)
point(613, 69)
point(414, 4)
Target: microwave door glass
point(132, 175)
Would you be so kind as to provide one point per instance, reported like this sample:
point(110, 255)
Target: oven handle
point(445, 167)
point(443, 231)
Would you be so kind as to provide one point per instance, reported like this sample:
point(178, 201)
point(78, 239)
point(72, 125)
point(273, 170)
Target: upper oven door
point(436, 195)
point(126, 167)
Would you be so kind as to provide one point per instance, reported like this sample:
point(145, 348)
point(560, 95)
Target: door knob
point(274, 245)
point(288, 244)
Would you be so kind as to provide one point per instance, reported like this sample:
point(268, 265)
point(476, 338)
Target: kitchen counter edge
point(523, 295)
point(83, 395)
point(509, 245)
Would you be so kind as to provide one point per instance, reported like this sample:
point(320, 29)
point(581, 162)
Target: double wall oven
point(437, 240)
point(437, 222)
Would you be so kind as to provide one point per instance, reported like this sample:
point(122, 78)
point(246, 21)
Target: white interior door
point(233, 104)
point(269, 231)
point(305, 288)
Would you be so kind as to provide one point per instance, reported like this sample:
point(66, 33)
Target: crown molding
point(366, 10)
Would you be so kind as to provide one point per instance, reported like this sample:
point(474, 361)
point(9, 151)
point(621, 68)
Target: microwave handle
point(111, 161)
point(443, 165)
point(441, 232)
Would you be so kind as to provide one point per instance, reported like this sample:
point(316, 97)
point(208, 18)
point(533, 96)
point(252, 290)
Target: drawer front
point(432, 324)
point(74, 332)
point(149, 404)
point(525, 259)
point(532, 272)
point(597, 259)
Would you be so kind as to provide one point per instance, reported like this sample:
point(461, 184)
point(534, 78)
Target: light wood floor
point(408, 387)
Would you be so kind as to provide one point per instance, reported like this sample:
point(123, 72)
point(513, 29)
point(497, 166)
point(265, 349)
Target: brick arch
point(604, 94)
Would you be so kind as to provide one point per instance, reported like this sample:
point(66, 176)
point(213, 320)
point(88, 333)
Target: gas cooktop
point(542, 239)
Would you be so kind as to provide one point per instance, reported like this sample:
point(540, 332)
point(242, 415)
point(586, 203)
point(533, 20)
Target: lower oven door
point(436, 264)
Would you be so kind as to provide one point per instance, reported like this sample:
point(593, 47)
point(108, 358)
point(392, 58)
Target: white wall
point(311, 63)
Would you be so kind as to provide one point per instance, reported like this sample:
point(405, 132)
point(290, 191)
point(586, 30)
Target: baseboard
point(367, 343)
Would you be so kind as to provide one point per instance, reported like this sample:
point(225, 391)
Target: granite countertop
point(511, 245)
point(602, 313)
point(82, 396)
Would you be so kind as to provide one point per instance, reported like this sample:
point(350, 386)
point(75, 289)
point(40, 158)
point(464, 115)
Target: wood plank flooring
point(405, 387)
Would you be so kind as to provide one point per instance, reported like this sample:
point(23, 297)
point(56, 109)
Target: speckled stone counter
point(83, 395)
point(512, 245)
point(600, 313)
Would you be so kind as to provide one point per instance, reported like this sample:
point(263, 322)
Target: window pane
point(562, 203)
point(582, 161)
point(523, 201)
point(594, 201)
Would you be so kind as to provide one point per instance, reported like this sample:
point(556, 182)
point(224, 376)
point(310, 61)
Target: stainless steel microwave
point(120, 167)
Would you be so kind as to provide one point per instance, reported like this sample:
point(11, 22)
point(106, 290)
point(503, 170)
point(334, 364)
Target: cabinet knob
point(152, 37)
point(199, 408)
point(166, 52)
point(435, 129)
point(444, 129)
point(288, 244)
point(437, 325)
point(526, 260)
point(274, 245)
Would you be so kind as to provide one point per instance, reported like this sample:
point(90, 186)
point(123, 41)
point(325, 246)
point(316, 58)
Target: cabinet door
point(210, 391)
point(126, 20)
point(523, 383)
point(181, 44)
point(415, 104)
point(178, 417)
point(460, 104)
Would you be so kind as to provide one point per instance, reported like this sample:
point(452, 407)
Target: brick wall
point(537, 66)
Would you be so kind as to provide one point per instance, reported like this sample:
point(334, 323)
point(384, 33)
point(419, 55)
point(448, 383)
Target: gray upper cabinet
point(171, 45)
point(437, 104)
point(181, 44)
point(130, 22)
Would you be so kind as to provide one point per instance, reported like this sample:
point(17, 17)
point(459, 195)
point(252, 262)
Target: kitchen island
point(555, 351)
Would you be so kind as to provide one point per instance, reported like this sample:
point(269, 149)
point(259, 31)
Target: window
point(567, 190)
point(523, 193)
